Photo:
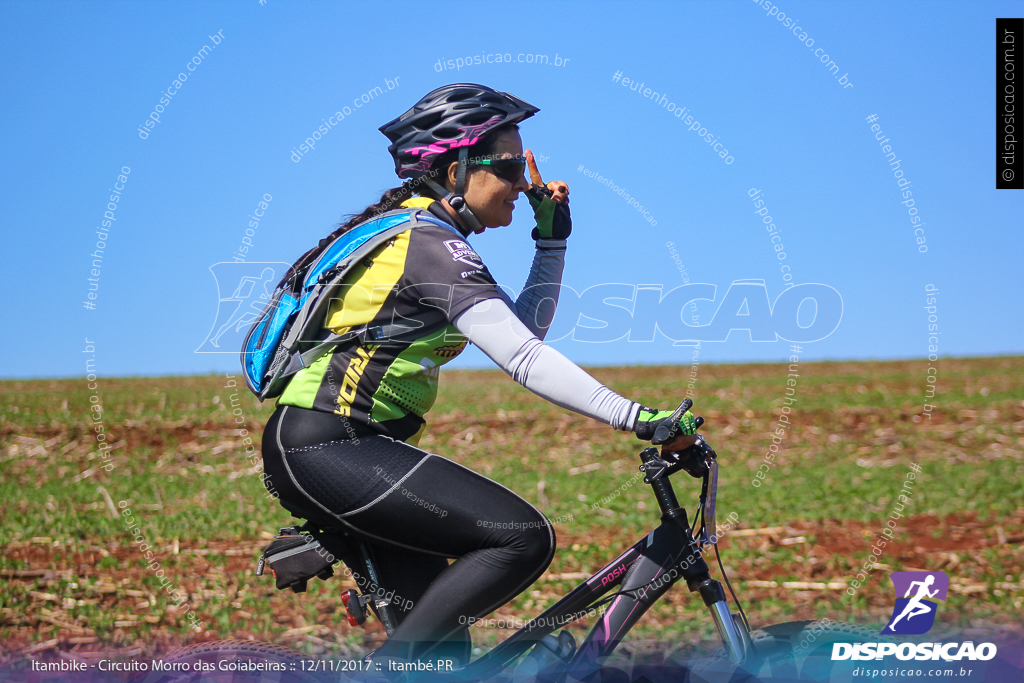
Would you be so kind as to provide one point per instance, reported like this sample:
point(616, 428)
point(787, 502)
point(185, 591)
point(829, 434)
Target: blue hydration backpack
point(289, 335)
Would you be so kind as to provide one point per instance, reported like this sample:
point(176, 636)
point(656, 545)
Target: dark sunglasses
point(510, 169)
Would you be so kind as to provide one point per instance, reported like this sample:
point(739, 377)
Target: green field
point(73, 580)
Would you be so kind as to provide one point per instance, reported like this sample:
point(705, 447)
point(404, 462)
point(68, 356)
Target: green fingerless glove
point(553, 219)
point(649, 419)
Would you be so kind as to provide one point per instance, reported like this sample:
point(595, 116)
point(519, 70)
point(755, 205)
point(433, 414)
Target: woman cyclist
point(341, 445)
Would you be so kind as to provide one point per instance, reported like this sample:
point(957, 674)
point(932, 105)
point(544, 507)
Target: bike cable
point(632, 592)
point(735, 599)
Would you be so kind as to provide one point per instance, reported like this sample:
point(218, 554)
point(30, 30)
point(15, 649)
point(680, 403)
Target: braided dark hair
point(393, 198)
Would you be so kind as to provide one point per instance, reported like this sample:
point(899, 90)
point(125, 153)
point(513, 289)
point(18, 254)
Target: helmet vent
point(429, 121)
point(477, 117)
point(447, 133)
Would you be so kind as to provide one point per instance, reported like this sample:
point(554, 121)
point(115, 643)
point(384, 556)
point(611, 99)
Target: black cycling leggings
point(417, 510)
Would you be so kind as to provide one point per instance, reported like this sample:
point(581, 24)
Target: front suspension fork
point(731, 628)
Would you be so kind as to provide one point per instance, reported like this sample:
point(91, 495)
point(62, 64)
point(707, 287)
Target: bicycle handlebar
point(694, 460)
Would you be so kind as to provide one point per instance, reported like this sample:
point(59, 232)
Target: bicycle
point(672, 552)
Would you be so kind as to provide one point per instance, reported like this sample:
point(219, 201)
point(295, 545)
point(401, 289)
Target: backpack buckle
point(374, 333)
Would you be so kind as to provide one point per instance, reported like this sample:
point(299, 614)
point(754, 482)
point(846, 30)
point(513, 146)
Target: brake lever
point(695, 460)
point(698, 422)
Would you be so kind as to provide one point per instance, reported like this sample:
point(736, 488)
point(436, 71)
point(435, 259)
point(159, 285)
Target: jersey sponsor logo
point(463, 253)
point(354, 373)
point(449, 351)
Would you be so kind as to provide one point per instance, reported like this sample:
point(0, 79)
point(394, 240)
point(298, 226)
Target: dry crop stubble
point(74, 582)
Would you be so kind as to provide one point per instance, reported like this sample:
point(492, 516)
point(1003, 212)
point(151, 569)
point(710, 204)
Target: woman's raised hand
point(559, 188)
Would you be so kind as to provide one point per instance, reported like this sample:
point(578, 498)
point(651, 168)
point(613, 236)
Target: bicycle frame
point(644, 573)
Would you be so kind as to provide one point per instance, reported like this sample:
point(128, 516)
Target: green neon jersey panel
point(410, 383)
point(301, 390)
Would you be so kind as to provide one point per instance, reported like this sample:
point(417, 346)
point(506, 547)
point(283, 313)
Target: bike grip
point(699, 421)
point(664, 433)
point(677, 415)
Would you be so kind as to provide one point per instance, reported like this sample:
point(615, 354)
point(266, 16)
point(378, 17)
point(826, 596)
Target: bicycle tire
point(792, 651)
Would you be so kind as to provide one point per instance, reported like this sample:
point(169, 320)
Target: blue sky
point(82, 77)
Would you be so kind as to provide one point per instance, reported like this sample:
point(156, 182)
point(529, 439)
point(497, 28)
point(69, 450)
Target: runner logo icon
point(914, 612)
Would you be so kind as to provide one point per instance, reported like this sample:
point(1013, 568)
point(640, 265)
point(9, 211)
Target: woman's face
point(488, 196)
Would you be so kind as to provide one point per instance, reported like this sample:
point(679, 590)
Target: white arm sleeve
point(498, 332)
point(536, 304)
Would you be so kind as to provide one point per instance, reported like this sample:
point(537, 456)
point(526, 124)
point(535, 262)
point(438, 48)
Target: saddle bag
point(294, 557)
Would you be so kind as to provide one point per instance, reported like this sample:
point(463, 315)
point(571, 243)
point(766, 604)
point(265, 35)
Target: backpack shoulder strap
point(314, 303)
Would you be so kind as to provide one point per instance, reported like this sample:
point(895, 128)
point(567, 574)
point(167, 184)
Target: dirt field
point(74, 583)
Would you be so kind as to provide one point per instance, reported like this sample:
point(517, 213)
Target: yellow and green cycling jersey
point(424, 276)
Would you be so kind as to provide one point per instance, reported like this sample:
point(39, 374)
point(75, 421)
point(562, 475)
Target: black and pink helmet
point(449, 117)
